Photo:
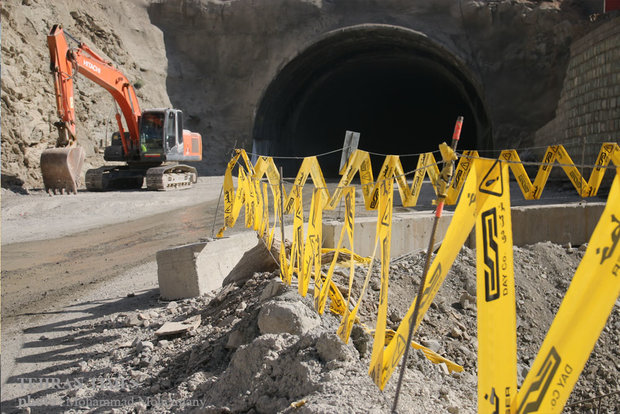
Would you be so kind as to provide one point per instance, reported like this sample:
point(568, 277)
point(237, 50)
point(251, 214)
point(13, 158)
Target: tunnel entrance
point(396, 87)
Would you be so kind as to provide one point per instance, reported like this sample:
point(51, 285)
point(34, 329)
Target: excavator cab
point(174, 143)
point(162, 137)
point(174, 132)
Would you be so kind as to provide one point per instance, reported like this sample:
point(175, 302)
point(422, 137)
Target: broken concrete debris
point(259, 347)
point(174, 328)
point(286, 317)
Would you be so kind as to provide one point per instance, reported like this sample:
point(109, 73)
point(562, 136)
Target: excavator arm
point(65, 62)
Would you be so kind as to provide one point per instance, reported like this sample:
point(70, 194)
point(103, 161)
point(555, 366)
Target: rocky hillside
point(215, 59)
point(120, 30)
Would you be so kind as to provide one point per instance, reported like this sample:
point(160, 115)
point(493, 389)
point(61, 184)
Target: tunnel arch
point(398, 88)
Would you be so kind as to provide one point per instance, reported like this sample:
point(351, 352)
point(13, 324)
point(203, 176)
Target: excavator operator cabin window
point(180, 127)
point(170, 130)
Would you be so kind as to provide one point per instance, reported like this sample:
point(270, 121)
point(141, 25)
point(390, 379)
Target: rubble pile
point(257, 346)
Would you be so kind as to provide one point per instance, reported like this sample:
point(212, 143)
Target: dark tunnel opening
point(395, 87)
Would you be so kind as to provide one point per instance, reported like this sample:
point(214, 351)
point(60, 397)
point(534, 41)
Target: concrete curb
point(194, 269)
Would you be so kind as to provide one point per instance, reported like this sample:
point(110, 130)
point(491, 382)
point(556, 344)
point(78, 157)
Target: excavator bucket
point(61, 169)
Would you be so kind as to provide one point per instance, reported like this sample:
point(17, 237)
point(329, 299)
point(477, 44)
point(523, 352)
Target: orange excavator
point(146, 144)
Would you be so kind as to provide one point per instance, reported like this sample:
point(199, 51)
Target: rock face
point(288, 75)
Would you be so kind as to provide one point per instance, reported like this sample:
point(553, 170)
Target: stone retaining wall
point(588, 111)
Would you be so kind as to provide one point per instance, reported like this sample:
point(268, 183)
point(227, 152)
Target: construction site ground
point(80, 303)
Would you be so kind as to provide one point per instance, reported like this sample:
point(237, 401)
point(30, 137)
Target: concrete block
point(560, 224)
point(194, 269)
point(557, 223)
point(410, 231)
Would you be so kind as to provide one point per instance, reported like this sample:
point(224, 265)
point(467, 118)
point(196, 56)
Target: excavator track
point(171, 177)
point(114, 178)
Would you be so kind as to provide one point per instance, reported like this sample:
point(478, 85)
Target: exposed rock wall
point(215, 59)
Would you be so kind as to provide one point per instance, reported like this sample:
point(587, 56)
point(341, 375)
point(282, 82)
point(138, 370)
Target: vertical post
point(351, 141)
point(446, 178)
point(583, 161)
point(282, 206)
point(217, 209)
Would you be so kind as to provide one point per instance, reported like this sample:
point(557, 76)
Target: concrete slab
point(194, 269)
point(410, 231)
point(562, 223)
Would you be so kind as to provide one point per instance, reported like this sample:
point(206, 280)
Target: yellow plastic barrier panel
point(359, 163)
point(479, 186)
point(497, 319)
point(312, 249)
point(580, 319)
point(384, 231)
point(320, 295)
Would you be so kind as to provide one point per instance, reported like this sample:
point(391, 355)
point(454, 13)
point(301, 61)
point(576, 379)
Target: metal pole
point(446, 177)
point(217, 208)
point(282, 208)
point(583, 160)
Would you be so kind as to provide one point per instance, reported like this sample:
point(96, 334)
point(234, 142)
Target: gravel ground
point(260, 347)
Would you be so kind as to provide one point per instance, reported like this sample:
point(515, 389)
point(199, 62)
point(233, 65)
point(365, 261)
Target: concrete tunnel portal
point(399, 89)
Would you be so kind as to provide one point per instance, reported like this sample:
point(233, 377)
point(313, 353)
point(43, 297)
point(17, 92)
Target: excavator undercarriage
point(129, 177)
point(171, 177)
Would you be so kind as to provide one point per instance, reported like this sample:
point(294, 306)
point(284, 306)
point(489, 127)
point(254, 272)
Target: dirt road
point(104, 234)
point(107, 250)
point(37, 274)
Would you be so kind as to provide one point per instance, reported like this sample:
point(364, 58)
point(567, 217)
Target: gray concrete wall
point(410, 232)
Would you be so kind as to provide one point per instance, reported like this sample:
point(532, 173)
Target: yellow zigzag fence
point(359, 163)
point(486, 202)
